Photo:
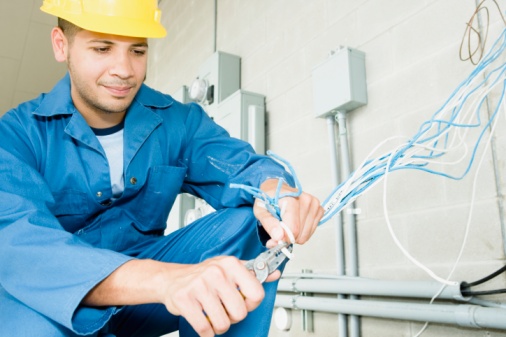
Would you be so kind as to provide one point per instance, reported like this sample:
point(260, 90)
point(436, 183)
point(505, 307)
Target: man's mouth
point(119, 90)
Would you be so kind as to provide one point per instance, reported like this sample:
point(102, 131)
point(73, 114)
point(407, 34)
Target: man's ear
point(60, 44)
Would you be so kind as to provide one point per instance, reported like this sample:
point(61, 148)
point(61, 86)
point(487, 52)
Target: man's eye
point(101, 49)
point(139, 51)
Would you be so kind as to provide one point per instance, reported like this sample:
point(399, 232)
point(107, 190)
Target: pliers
point(267, 262)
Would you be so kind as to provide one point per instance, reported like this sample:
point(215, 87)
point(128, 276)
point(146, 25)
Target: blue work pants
point(232, 231)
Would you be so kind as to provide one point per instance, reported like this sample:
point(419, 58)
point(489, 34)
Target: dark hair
point(68, 28)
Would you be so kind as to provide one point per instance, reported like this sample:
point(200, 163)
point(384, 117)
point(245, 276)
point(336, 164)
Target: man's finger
point(269, 223)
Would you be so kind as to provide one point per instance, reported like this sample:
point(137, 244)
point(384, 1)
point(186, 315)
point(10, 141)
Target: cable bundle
point(445, 132)
point(467, 109)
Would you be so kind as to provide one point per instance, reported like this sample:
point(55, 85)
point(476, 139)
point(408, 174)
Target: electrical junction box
point(339, 83)
point(218, 77)
point(242, 114)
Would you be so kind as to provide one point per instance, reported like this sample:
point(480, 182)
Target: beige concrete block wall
point(413, 65)
point(27, 65)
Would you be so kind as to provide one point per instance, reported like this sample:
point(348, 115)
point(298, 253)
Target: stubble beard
point(91, 99)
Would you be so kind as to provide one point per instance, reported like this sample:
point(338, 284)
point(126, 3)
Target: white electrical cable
point(445, 133)
point(399, 244)
point(406, 253)
point(287, 230)
point(468, 225)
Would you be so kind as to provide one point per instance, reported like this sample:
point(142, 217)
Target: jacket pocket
point(158, 195)
point(71, 208)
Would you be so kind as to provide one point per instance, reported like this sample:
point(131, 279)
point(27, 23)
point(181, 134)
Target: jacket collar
point(57, 101)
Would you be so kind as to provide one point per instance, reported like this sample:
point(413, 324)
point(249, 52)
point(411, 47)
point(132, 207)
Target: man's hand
point(214, 294)
point(210, 295)
point(301, 214)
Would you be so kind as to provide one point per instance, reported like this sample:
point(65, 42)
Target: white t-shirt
point(112, 143)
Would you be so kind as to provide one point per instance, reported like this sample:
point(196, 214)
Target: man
point(89, 173)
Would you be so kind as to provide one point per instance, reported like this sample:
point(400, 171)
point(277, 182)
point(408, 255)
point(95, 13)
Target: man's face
point(106, 72)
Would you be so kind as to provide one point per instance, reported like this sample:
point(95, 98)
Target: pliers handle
point(268, 262)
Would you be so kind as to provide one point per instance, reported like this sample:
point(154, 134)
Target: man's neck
point(103, 120)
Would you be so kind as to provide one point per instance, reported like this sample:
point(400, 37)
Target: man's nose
point(121, 65)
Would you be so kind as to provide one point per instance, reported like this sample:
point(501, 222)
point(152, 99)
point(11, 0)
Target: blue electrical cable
point(434, 132)
point(272, 203)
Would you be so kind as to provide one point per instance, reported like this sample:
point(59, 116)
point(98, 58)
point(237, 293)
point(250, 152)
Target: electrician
point(89, 172)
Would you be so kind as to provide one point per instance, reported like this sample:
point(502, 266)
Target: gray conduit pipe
point(215, 25)
point(351, 233)
point(351, 229)
point(340, 268)
point(462, 315)
point(370, 287)
point(486, 303)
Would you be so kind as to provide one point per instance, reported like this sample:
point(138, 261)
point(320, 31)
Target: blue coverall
point(61, 231)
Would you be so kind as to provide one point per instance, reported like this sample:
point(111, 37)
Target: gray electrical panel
point(339, 83)
point(242, 114)
point(219, 77)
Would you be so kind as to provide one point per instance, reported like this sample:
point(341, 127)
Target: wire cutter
point(267, 262)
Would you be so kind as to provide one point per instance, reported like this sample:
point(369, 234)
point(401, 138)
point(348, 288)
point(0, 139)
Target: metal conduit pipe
point(463, 315)
point(351, 229)
point(369, 287)
point(486, 303)
point(215, 25)
point(340, 268)
point(351, 233)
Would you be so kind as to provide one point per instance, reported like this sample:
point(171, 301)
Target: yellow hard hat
point(135, 18)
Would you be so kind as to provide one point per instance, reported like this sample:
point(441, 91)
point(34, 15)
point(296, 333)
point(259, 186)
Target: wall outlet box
point(339, 83)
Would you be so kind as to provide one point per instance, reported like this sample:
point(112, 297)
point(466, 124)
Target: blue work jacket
point(61, 230)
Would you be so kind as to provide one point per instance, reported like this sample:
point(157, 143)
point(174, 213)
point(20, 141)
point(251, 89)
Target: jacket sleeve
point(42, 265)
point(215, 160)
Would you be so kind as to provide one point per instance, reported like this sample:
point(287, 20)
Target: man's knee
point(230, 231)
point(236, 232)
point(227, 224)
point(233, 222)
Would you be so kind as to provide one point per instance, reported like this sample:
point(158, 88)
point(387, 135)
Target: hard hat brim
point(111, 25)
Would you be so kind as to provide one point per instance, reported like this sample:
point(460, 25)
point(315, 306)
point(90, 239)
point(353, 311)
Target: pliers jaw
point(269, 261)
